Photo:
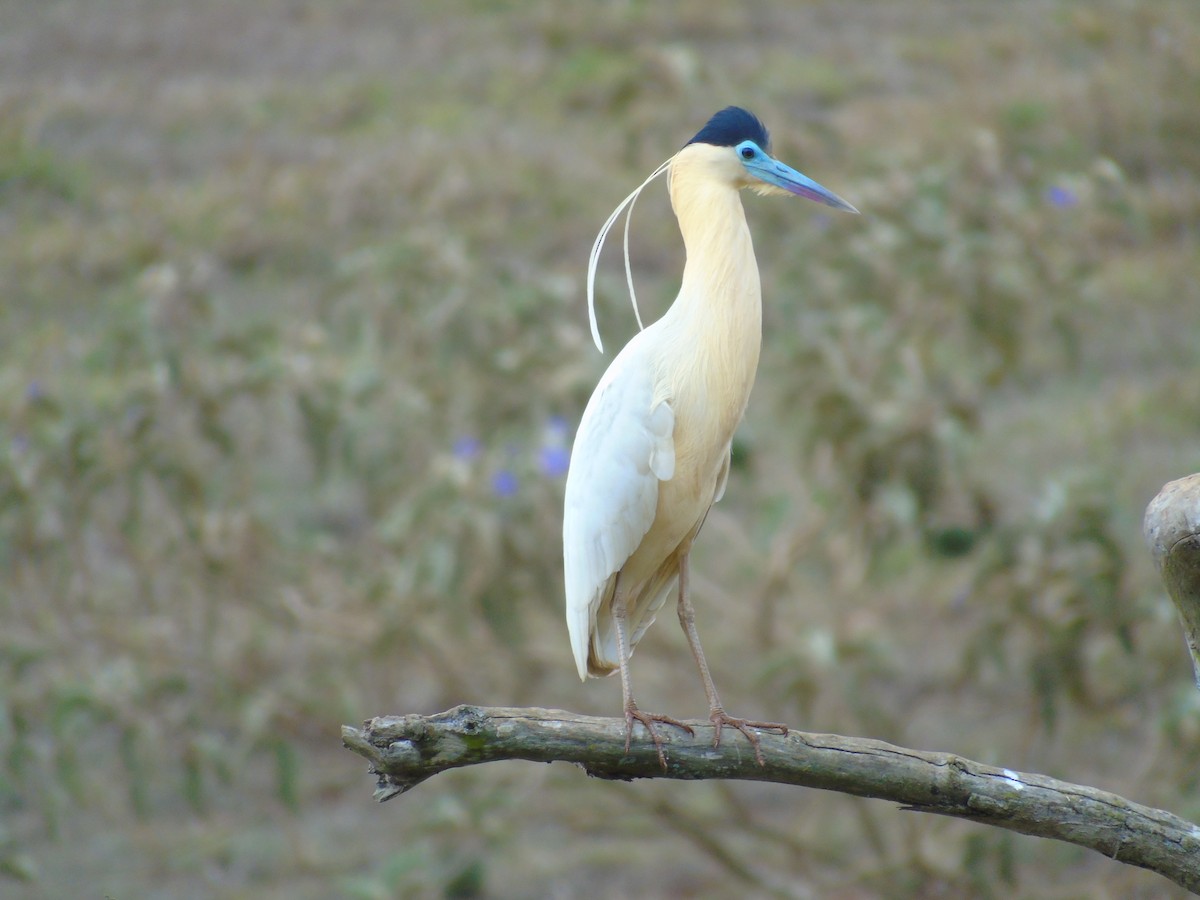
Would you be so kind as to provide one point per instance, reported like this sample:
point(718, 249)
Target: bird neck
point(716, 321)
point(720, 270)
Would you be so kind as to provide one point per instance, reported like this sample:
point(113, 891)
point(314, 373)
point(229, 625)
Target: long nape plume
point(628, 202)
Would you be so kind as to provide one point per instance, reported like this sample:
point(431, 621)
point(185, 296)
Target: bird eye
point(747, 153)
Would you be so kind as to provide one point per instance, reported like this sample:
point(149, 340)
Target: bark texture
point(403, 751)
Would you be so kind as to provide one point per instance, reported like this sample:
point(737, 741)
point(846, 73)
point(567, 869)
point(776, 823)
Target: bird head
point(735, 144)
point(733, 147)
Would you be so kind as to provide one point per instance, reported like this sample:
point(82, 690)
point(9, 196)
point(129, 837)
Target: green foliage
point(953, 294)
point(36, 174)
point(1052, 586)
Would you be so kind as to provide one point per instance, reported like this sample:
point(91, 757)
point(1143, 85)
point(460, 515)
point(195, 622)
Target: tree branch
point(406, 750)
point(1172, 529)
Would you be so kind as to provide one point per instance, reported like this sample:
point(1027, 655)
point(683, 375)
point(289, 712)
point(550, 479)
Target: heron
point(652, 451)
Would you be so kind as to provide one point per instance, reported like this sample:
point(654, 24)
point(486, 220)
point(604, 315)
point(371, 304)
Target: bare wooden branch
point(1172, 529)
point(406, 750)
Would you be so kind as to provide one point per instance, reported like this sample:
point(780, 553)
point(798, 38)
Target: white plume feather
point(594, 259)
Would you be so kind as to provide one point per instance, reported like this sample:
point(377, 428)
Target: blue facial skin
point(765, 168)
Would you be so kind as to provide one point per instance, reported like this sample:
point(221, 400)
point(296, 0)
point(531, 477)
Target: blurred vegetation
point(294, 343)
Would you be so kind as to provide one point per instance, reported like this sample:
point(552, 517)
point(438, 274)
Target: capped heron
point(652, 451)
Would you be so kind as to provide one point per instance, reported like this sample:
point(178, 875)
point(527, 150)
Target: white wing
point(623, 448)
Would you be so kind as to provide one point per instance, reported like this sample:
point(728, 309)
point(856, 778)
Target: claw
point(720, 718)
point(648, 720)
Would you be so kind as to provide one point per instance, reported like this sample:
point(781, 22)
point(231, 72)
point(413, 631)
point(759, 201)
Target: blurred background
point(294, 343)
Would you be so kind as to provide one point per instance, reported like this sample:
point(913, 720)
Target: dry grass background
point(294, 340)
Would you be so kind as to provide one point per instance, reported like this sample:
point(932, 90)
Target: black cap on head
point(730, 127)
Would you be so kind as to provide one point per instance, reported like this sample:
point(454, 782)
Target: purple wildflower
point(466, 448)
point(554, 456)
point(554, 459)
point(504, 483)
point(1062, 197)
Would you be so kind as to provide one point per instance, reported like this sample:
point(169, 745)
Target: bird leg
point(716, 712)
point(631, 710)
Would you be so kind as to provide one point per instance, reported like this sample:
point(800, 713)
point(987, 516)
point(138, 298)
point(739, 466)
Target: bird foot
point(632, 713)
point(720, 719)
